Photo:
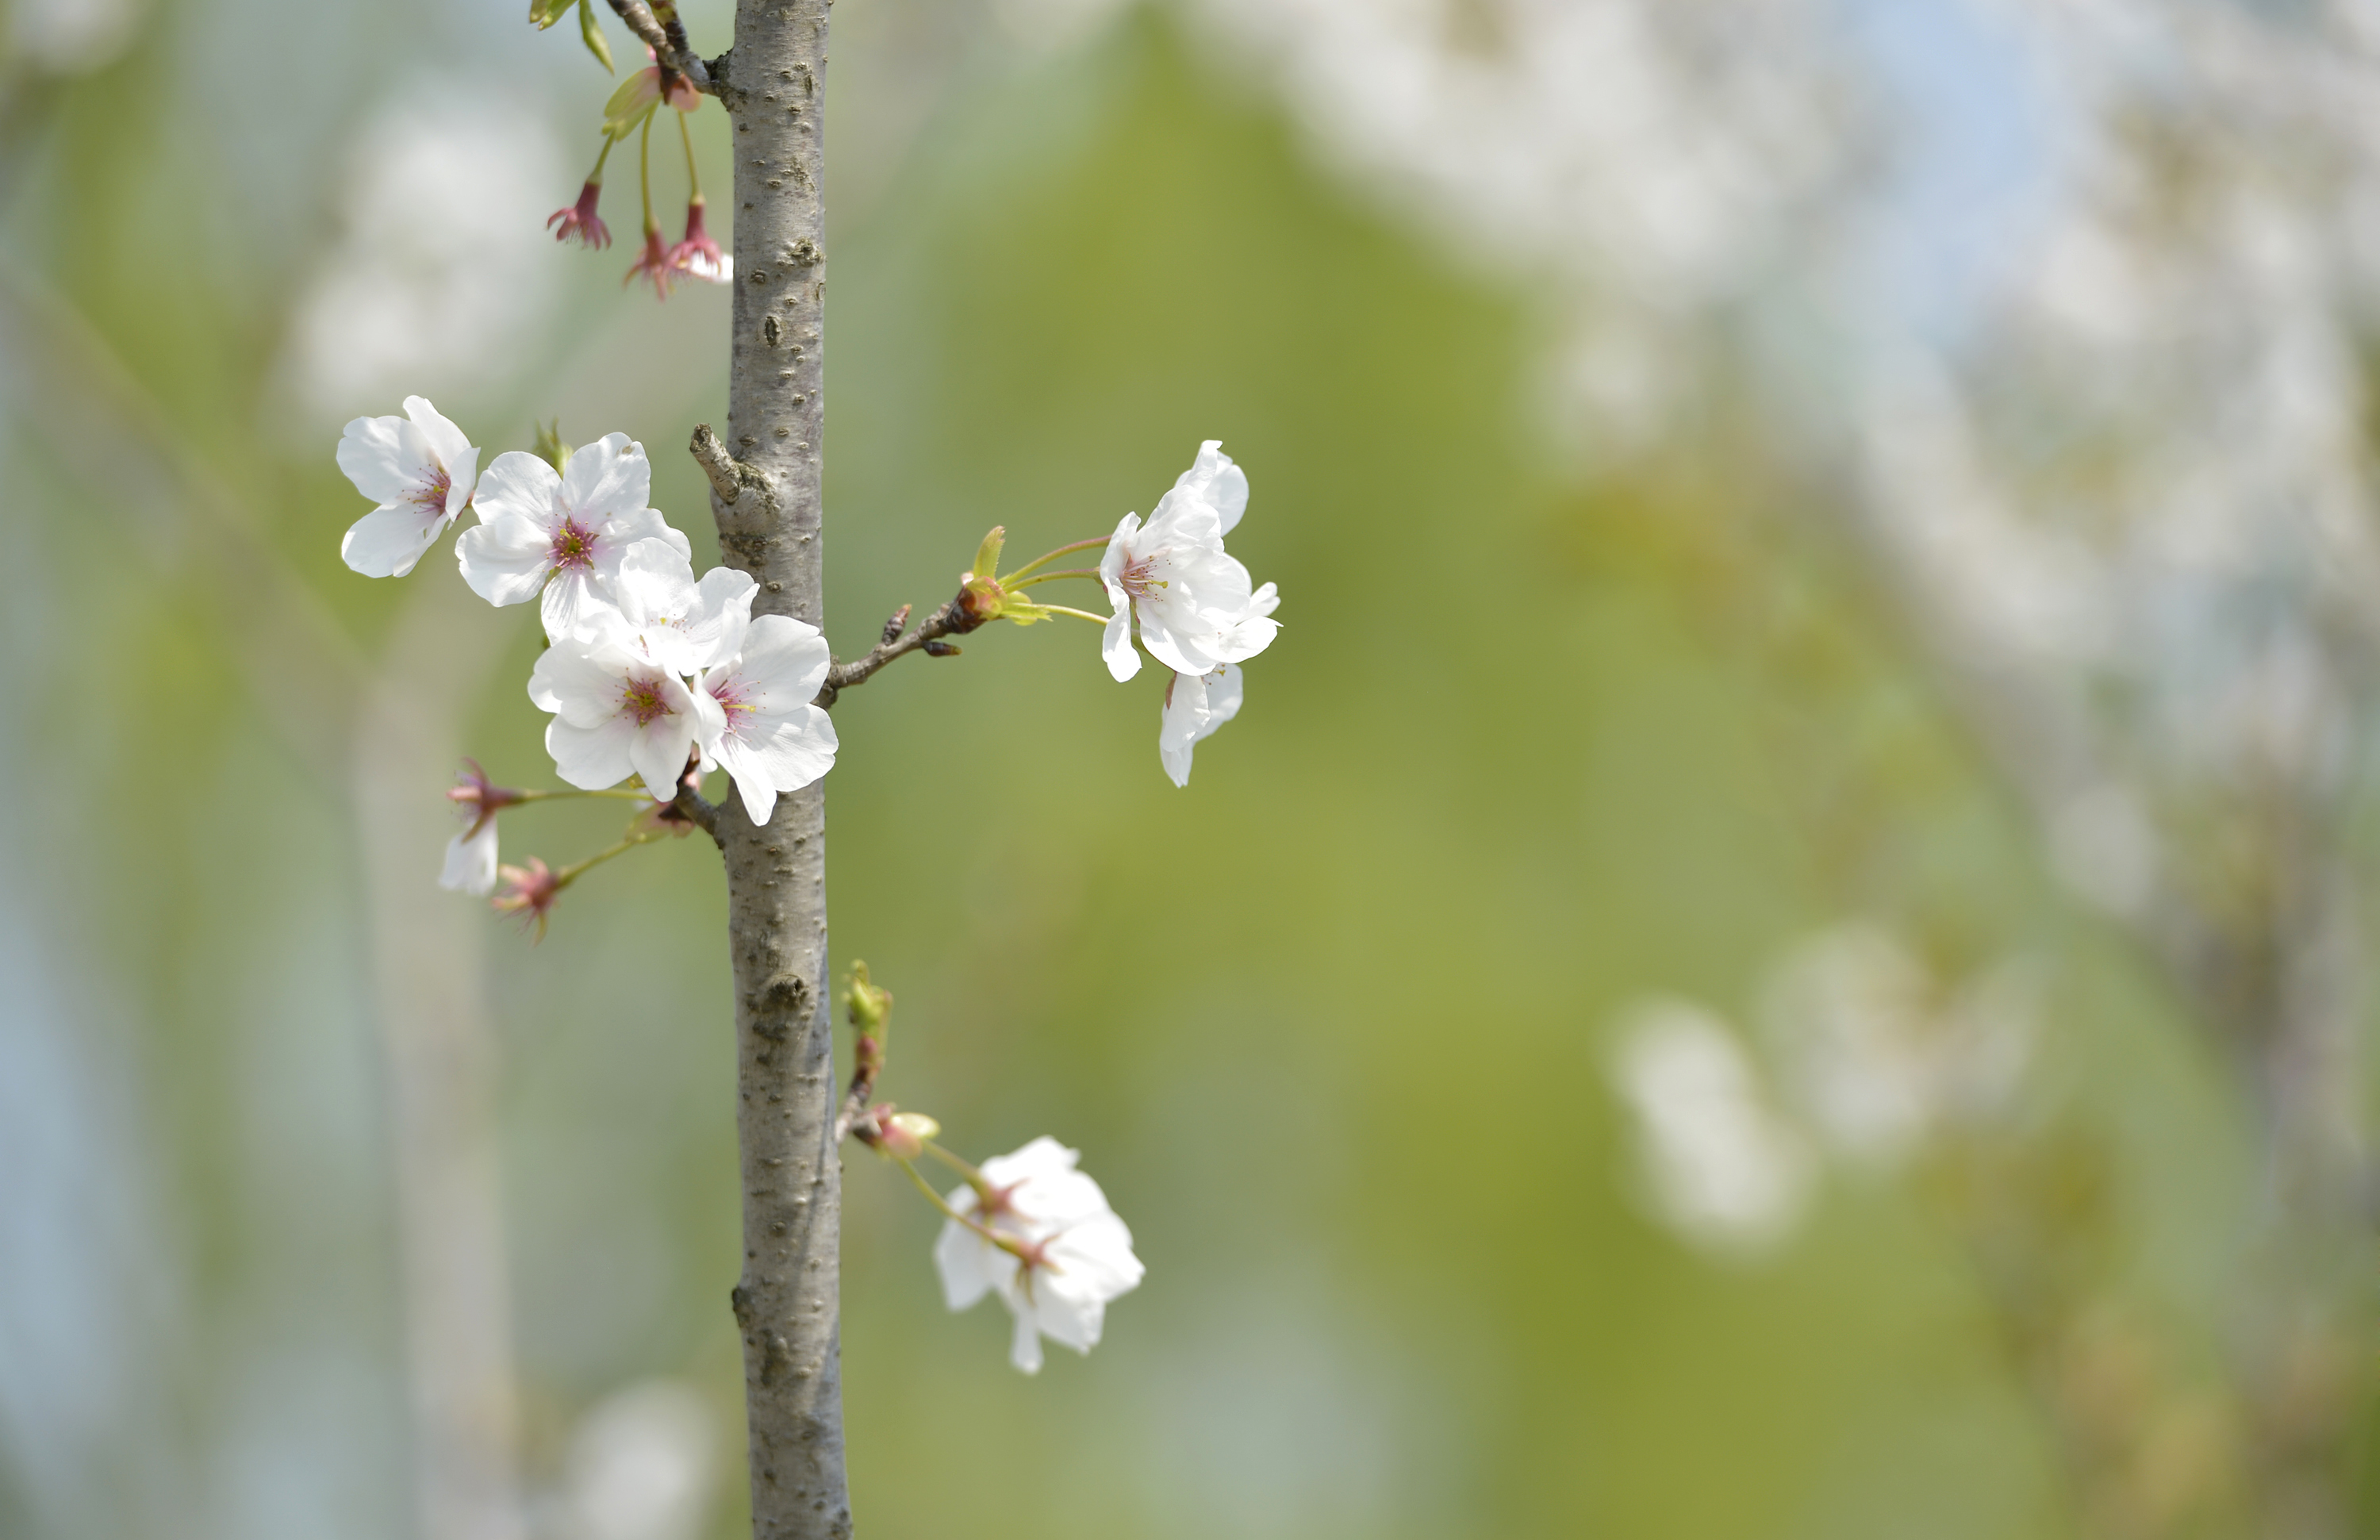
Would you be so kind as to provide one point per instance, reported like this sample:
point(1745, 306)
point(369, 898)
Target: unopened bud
point(903, 1135)
point(987, 555)
point(550, 447)
point(868, 1006)
point(980, 599)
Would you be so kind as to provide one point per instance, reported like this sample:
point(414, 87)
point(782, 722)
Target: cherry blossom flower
point(581, 220)
point(770, 737)
point(668, 618)
point(471, 855)
point(529, 891)
point(420, 469)
point(653, 262)
point(697, 256)
point(572, 529)
point(1078, 1253)
point(614, 713)
point(1196, 704)
point(1197, 607)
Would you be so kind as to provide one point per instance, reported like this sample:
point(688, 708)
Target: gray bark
point(774, 88)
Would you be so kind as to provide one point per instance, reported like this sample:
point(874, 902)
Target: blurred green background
point(1342, 1028)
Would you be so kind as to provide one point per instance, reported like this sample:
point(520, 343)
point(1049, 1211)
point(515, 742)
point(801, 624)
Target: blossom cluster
point(1201, 613)
point(649, 672)
point(1040, 1233)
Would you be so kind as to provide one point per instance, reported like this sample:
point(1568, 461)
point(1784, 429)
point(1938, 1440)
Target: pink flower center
point(574, 546)
point(642, 699)
point(1139, 579)
point(430, 497)
point(732, 694)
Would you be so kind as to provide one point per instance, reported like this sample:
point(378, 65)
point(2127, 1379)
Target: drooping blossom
point(1078, 1253)
point(573, 528)
point(653, 263)
point(581, 220)
point(1196, 704)
point(667, 618)
point(616, 713)
point(697, 256)
point(529, 892)
point(770, 737)
point(471, 855)
point(1197, 607)
point(422, 471)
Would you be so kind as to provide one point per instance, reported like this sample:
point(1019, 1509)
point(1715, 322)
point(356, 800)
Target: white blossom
point(573, 528)
point(614, 713)
point(1721, 1167)
point(1083, 1251)
point(1197, 607)
point(420, 469)
point(471, 860)
point(668, 618)
point(1196, 704)
point(766, 733)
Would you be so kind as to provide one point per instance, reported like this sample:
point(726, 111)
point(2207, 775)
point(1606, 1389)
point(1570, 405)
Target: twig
point(669, 46)
point(728, 475)
point(952, 619)
point(691, 806)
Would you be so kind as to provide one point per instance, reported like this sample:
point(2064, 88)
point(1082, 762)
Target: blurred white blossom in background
point(71, 37)
point(1876, 1055)
point(434, 282)
point(642, 1465)
point(1720, 1167)
point(1867, 1059)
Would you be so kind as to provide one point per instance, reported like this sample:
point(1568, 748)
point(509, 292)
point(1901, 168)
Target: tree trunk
point(774, 91)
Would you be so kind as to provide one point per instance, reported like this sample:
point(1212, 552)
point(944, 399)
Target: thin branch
point(728, 475)
point(669, 46)
point(952, 620)
point(695, 808)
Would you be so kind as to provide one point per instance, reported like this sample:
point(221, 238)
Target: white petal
point(797, 749)
point(1222, 484)
point(372, 452)
point(447, 443)
point(786, 662)
point(723, 618)
point(751, 777)
point(1024, 1346)
point(607, 478)
point(591, 758)
point(577, 683)
point(463, 481)
point(471, 862)
point(1178, 725)
point(387, 542)
point(521, 485)
point(576, 608)
point(1123, 659)
point(505, 559)
point(959, 1257)
point(1043, 1156)
point(1119, 551)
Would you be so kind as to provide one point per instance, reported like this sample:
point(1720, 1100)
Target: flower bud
point(987, 555)
point(868, 1006)
point(903, 1135)
point(550, 447)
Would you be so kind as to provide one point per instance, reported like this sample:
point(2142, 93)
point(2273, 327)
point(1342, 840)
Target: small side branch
point(668, 43)
point(952, 619)
point(728, 476)
point(695, 808)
